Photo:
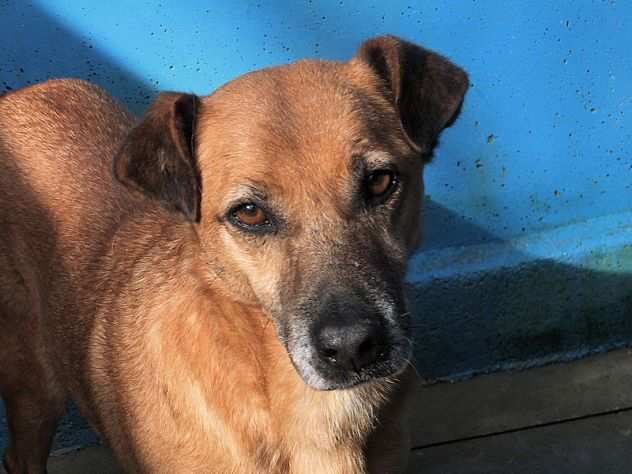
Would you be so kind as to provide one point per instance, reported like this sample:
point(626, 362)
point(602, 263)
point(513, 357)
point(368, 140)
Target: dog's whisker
point(412, 365)
point(410, 340)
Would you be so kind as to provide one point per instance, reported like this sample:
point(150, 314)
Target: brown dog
point(229, 299)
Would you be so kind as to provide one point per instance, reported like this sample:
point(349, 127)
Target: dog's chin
point(318, 378)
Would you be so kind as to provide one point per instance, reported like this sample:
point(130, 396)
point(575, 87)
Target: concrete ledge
point(551, 296)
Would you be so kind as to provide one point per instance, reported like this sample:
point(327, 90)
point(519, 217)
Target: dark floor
point(598, 444)
point(565, 419)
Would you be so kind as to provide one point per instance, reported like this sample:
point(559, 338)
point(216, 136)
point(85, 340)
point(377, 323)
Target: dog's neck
point(250, 398)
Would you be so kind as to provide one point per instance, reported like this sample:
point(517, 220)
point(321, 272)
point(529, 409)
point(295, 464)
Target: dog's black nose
point(350, 345)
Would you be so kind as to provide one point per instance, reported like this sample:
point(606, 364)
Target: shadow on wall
point(444, 228)
point(522, 315)
point(37, 48)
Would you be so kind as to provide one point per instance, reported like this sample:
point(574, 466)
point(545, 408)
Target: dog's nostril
point(368, 347)
point(368, 351)
point(329, 354)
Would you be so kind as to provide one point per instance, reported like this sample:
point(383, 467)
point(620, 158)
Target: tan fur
point(160, 329)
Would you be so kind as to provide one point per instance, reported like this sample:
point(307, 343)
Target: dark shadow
point(444, 228)
point(35, 48)
point(72, 430)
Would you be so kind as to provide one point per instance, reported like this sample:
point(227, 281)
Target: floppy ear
point(426, 88)
point(158, 156)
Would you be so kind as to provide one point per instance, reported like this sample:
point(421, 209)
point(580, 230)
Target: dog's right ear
point(158, 156)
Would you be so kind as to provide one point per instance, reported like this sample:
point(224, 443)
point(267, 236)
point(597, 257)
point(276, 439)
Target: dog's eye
point(250, 215)
point(380, 183)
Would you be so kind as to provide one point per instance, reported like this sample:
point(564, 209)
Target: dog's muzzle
point(349, 341)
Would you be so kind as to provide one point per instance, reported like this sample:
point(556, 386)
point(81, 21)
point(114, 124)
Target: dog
point(219, 285)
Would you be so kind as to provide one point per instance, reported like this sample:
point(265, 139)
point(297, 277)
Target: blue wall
point(532, 188)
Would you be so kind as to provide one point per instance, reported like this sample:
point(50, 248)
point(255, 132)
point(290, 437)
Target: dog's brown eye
point(380, 182)
point(250, 214)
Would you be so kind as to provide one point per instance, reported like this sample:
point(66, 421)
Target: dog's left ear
point(158, 156)
point(426, 88)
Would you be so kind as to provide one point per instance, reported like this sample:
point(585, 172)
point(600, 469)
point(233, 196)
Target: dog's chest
point(251, 412)
point(310, 436)
point(323, 431)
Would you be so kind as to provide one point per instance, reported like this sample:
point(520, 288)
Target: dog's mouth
point(345, 379)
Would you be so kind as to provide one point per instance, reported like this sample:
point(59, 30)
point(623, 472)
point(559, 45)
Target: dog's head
point(304, 183)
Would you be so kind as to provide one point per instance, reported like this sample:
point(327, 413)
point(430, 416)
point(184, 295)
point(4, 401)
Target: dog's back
point(58, 195)
point(57, 139)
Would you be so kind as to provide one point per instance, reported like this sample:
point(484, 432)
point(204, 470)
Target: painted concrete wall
point(528, 253)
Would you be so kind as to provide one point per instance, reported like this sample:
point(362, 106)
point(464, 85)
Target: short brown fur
point(130, 293)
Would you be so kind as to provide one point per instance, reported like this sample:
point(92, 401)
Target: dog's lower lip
point(354, 381)
point(349, 379)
